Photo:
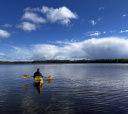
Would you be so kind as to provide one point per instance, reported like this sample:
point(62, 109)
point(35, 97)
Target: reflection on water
point(49, 80)
point(25, 87)
point(38, 86)
point(74, 88)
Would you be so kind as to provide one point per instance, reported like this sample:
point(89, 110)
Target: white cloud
point(93, 22)
point(61, 15)
point(101, 8)
point(124, 15)
point(27, 26)
point(106, 48)
point(112, 31)
point(103, 48)
point(99, 19)
point(33, 17)
point(47, 51)
point(20, 53)
point(7, 25)
point(4, 34)
point(16, 48)
point(104, 32)
point(28, 9)
point(2, 54)
point(123, 31)
point(93, 33)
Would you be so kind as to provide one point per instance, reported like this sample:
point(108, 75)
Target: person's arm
point(41, 74)
point(34, 74)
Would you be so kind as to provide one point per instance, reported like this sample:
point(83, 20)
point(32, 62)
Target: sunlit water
point(74, 89)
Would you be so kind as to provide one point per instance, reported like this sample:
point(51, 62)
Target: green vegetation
point(68, 61)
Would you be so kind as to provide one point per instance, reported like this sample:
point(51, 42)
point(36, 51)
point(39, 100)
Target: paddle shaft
point(27, 76)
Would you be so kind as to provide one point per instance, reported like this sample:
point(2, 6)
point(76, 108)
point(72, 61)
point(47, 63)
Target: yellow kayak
point(38, 81)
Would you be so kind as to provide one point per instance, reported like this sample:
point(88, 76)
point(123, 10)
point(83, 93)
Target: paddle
point(27, 76)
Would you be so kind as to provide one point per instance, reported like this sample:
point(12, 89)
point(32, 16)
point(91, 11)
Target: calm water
point(75, 88)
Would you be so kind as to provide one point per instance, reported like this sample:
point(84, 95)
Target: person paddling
point(37, 73)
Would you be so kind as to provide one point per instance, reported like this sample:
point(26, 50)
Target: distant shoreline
point(67, 61)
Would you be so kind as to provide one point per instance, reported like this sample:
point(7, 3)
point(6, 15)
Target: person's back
point(37, 73)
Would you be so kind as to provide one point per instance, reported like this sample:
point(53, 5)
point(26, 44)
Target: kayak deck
point(38, 79)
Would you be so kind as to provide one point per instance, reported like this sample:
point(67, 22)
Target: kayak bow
point(38, 79)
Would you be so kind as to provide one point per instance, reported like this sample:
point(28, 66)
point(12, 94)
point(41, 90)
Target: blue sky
point(63, 29)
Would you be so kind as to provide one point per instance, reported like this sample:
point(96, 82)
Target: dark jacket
point(37, 74)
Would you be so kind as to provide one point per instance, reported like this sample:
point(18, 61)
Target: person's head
point(38, 69)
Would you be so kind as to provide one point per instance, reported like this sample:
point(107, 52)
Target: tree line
point(68, 61)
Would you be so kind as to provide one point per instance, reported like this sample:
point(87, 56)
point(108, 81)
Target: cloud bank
point(103, 48)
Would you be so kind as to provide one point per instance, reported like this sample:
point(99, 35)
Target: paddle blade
point(50, 77)
point(26, 76)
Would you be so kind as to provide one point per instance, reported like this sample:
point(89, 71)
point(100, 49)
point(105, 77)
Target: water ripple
point(75, 89)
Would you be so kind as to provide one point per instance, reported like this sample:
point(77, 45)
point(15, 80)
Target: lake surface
point(74, 89)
